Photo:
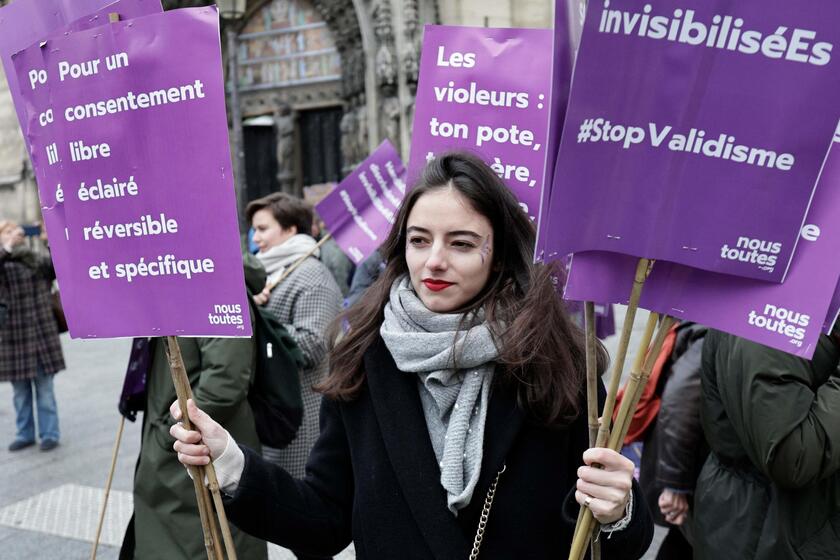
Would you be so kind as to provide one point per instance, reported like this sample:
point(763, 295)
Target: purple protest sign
point(833, 311)
point(687, 138)
point(834, 307)
point(360, 211)
point(786, 316)
point(23, 22)
point(28, 22)
point(123, 9)
point(487, 91)
point(136, 159)
point(568, 20)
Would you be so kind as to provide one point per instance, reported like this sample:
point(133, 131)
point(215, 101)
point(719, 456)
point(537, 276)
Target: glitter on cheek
point(485, 250)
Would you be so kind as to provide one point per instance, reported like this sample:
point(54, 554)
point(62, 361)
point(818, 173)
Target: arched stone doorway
point(290, 91)
point(356, 74)
point(386, 53)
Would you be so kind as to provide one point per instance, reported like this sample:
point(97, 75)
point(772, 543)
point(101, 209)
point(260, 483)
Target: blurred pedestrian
point(30, 349)
point(305, 303)
point(333, 257)
point(674, 445)
point(365, 275)
point(770, 489)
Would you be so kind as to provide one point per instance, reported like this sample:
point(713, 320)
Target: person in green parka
point(770, 489)
point(166, 523)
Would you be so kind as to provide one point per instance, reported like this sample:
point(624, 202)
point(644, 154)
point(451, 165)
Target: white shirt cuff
point(229, 466)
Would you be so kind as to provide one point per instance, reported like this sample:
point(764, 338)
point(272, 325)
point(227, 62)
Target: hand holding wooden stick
point(585, 519)
point(643, 365)
point(205, 508)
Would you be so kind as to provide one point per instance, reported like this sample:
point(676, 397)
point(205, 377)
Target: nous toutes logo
point(764, 253)
point(755, 251)
point(229, 314)
point(783, 321)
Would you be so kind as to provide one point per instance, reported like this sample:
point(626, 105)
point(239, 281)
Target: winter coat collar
point(398, 409)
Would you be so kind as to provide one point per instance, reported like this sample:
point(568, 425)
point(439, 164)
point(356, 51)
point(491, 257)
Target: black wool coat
point(372, 478)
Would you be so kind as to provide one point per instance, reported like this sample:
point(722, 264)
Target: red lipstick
point(436, 285)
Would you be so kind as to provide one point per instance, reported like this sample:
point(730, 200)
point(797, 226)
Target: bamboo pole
point(178, 372)
point(585, 519)
point(592, 393)
point(636, 373)
point(642, 270)
point(591, 371)
point(205, 508)
point(108, 487)
point(220, 512)
point(636, 386)
point(298, 262)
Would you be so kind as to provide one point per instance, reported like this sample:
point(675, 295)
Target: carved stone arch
point(341, 19)
point(379, 45)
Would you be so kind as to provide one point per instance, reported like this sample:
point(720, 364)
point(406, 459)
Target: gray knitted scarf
point(454, 386)
point(279, 257)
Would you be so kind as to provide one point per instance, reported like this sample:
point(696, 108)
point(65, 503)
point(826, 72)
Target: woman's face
point(268, 232)
point(449, 250)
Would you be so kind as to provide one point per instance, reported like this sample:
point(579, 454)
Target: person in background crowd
point(674, 445)
point(770, 489)
point(252, 247)
point(165, 524)
point(30, 349)
point(305, 302)
point(365, 275)
point(333, 257)
point(452, 413)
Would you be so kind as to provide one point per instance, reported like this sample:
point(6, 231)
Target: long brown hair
point(541, 350)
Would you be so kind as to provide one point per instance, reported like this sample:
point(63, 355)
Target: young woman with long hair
point(451, 421)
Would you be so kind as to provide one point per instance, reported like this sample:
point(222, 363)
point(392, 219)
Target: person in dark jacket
point(30, 350)
point(770, 489)
point(451, 422)
point(364, 276)
point(341, 267)
point(674, 446)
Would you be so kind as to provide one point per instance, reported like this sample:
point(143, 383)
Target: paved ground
point(50, 502)
point(38, 488)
